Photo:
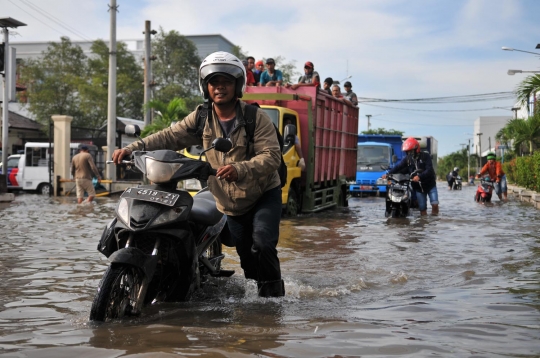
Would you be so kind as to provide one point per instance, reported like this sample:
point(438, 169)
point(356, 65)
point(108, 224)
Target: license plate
point(156, 196)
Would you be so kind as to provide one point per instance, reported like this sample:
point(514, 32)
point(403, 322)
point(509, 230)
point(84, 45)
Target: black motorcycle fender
point(135, 257)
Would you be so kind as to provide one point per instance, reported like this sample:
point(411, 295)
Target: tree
point(523, 132)
point(176, 68)
point(528, 87)
point(129, 88)
point(290, 75)
point(55, 81)
point(456, 159)
point(383, 131)
point(167, 113)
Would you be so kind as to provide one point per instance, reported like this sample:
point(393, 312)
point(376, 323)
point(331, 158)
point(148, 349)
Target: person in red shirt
point(250, 80)
point(494, 169)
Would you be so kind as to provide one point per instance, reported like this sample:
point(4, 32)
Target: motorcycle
point(457, 184)
point(399, 193)
point(484, 191)
point(163, 244)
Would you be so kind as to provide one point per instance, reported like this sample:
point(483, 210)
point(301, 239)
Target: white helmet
point(456, 169)
point(222, 63)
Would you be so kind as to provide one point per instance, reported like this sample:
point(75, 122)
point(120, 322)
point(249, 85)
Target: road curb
point(525, 195)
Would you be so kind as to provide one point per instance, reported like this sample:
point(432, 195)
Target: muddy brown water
point(464, 284)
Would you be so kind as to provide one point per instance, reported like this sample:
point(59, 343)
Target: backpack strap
point(202, 116)
point(250, 120)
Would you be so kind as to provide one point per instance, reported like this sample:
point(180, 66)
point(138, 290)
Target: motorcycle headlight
point(381, 181)
point(169, 215)
point(160, 172)
point(123, 210)
point(192, 184)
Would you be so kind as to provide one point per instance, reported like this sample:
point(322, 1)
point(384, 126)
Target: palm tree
point(167, 113)
point(528, 87)
point(524, 132)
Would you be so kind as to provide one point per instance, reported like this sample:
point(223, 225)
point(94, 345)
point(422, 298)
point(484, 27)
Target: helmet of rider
point(224, 64)
point(456, 169)
point(491, 155)
point(411, 146)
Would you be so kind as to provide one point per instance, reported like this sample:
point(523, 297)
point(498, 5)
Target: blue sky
point(393, 49)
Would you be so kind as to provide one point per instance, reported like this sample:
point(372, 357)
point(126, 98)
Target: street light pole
point(513, 49)
point(368, 123)
point(480, 149)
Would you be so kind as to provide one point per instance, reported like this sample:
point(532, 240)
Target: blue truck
point(374, 150)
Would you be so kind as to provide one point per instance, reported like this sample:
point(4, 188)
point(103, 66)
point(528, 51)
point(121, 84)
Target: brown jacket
point(255, 176)
point(82, 166)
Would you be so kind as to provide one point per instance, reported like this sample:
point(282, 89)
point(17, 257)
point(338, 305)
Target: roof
point(17, 121)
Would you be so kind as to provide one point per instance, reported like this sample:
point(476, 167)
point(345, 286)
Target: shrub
point(510, 170)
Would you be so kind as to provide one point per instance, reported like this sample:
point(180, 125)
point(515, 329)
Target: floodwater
point(464, 284)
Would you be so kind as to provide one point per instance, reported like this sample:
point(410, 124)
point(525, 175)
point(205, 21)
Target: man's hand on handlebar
point(416, 178)
point(228, 173)
point(119, 154)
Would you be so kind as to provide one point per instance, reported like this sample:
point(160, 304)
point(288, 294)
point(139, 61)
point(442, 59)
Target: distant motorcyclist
point(496, 174)
point(451, 177)
point(424, 184)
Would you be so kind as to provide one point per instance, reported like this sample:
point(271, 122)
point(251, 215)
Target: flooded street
point(466, 283)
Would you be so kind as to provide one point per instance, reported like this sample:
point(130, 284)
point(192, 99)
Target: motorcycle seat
point(204, 209)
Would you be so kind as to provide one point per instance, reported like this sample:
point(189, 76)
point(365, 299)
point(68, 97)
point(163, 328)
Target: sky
point(391, 49)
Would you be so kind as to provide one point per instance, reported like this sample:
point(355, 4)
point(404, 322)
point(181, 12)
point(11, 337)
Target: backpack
point(250, 117)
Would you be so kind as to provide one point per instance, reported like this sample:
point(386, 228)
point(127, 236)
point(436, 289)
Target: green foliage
point(238, 52)
point(524, 134)
point(456, 159)
point(174, 111)
point(176, 68)
point(129, 76)
point(529, 86)
point(526, 173)
point(509, 167)
point(383, 131)
point(55, 81)
point(290, 75)
point(66, 81)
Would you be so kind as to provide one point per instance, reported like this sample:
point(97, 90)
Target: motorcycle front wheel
point(117, 293)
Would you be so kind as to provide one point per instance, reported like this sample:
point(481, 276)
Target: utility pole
point(469, 161)
point(368, 123)
point(489, 141)
point(148, 81)
point(111, 117)
point(480, 149)
point(4, 24)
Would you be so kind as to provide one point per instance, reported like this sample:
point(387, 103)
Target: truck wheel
point(292, 203)
point(44, 189)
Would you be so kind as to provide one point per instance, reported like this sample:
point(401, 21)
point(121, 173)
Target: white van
point(34, 172)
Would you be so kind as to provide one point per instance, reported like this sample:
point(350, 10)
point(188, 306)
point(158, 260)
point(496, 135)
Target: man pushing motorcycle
point(247, 186)
point(424, 184)
point(494, 169)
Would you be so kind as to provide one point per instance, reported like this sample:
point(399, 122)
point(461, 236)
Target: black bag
point(250, 117)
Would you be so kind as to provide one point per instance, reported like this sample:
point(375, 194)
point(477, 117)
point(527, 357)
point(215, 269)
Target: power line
point(430, 110)
point(36, 18)
point(449, 99)
point(54, 19)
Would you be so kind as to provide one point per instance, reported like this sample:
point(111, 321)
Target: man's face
point(251, 64)
point(336, 92)
point(260, 67)
point(491, 161)
point(271, 66)
point(221, 89)
point(326, 85)
point(308, 70)
point(347, 88)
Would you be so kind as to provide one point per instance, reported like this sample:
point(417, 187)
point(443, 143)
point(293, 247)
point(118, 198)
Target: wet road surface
point(464, 284)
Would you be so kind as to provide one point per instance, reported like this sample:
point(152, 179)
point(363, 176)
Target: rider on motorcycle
point(496, 174)
point(451, 177)
point(247, 185)
point(424, 184)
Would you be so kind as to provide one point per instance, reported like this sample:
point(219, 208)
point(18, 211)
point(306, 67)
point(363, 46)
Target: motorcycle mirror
point(220, 144)
point(384, 167)
point(133, 130)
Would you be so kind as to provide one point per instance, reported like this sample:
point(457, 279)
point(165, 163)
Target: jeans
point(256, 235)
point(501, 186)
point(422, 198)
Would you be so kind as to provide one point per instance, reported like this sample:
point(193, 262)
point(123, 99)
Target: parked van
point(34, 170)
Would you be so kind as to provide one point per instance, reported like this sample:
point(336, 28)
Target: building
point(206, 44)
point(485, 130)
